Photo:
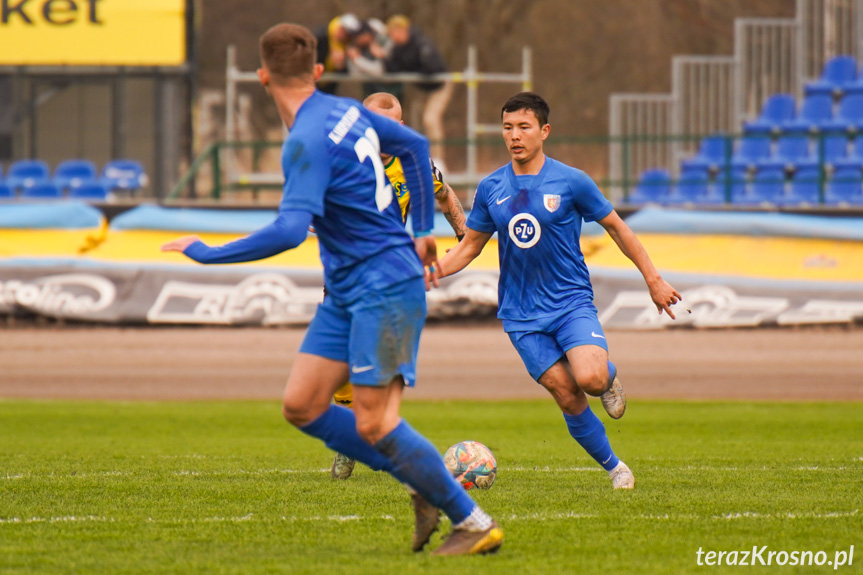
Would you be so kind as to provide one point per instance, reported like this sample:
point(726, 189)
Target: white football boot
point(614, 400)
point(622, 477)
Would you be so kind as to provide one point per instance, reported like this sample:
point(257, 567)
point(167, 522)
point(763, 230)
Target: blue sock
point(337, 427)
point(589, 432)
point(416, 460)
point(612, 373)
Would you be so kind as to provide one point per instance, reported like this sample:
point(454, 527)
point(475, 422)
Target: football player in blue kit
point(536, 205)
point(367, 329)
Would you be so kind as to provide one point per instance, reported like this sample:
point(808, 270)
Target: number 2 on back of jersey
point(369, 146)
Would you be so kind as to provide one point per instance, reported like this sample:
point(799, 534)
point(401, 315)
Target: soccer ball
point(472, 464)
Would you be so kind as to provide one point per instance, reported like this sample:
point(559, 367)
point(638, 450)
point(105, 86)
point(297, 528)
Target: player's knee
point(593, 382)
point(369, 430)
point(296, 413)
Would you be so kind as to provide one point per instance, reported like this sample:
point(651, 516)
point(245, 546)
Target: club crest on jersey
point(524, 230)
point(551, 202)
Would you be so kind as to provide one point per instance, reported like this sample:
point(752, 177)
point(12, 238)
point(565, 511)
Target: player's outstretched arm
point(465, 252)
point(285, 233)
point(452, 210)
point(661, 292)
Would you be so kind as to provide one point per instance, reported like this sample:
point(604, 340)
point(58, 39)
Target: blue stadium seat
point(853, 159)
point(778, 109)
point(6, 192)
point(792, 147)
point(830, 147)
point(72, 172)
point(845, 187)
point(690, 187)
point(42, 189)
point(767, 186)
point(728, 185)
point(91, 189)
point(750, 150)
point(815, 111)
point(653, 187)
point(849, 114)
point(804, 188)
point(711, 155)
point(125, 175)
point(838, 73)
point(25, 173)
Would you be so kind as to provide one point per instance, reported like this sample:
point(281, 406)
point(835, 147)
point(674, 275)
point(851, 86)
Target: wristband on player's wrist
point(422, 234)
point(459, 237)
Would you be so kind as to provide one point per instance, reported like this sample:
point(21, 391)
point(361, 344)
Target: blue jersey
point(538, 224)
point(334, 176)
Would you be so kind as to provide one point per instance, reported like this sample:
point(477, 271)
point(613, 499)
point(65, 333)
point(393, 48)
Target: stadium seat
point(691, 186)
point(91, 189)
point(804, 188)
point(767, 186)
point(750, 150)
point(711, 155)
point(829, 148)
point(778, 109)
point(42, 189)
point(815, 111)
point(791, 147)
point(728, 185)
point(72, 172)
point(6, 192)
point(125, 175)
point(849, 114)
point(26, 173)
point(653, 186)
point(838, 73)
point(845, 187)
point(854, 159)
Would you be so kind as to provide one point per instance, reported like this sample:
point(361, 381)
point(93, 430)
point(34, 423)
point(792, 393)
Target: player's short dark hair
point(528, 101)
point(288, 51)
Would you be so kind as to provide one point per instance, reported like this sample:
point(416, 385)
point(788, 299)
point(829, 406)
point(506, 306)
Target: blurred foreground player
point(536, 206)
point(388, 105)
point(369, 324)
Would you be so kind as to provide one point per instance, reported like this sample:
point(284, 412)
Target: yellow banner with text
point(92, 32)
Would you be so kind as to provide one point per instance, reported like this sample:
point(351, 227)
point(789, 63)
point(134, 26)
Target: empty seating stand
point(74, 178)
point(789, 156)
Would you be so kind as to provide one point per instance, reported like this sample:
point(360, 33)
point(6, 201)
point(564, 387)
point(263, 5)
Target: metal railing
point(471, 77)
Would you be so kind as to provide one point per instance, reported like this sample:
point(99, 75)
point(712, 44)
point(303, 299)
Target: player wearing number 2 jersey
point(536, 205)
point(368, 326)
point(388, 106)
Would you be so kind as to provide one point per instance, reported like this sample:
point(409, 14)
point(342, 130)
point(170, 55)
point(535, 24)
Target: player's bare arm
point(452, 210)
point(661, 292)
point(180, 244)
point(465, 252)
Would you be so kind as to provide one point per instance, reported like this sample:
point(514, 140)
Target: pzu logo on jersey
point(524, 230)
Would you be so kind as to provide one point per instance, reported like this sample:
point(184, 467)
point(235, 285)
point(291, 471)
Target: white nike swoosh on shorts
point(356, 369)
point(597, 335)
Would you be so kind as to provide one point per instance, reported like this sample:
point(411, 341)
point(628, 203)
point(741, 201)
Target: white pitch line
point(530, 517)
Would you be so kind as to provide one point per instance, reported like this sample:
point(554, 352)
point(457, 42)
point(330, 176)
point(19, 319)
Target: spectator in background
point(333, 40)
point(411, 51)
point(366, 54)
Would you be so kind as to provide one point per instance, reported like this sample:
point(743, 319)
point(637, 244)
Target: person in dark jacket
point(412, 51)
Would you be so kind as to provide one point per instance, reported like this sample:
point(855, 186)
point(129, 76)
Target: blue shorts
point(549, 339)
point(377, 336)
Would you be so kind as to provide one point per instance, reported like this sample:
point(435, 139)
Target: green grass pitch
point(228, 487)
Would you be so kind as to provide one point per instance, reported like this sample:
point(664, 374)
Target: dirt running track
point(471, 361)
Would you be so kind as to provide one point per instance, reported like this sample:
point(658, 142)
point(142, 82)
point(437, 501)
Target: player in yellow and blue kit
point(388, 105)
point(368, 326)
point(545, 299)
